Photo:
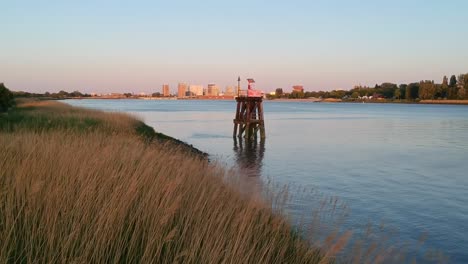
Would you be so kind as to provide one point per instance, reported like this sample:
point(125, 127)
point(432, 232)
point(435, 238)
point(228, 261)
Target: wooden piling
point(249, 117)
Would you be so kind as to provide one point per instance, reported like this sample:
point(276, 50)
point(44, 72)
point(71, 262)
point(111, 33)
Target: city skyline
point(138, 46)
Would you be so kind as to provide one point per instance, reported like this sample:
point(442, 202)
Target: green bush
point(6, 98)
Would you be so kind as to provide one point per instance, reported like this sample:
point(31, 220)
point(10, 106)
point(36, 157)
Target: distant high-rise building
point(181, 90)
point(298, 89)
point(213, 90)
point(229, 91)
point(165, 90)
point(196, 90)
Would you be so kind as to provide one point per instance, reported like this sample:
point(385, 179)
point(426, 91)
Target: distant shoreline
point(332, 100)
point(453, 102)
point(311, 100)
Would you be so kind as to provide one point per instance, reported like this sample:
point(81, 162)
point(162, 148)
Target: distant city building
point(279, 91)
point(298, 89)
point(181, 90)
point(229, 91)
point(165, 90)
point(195, 90)
point(213, 90)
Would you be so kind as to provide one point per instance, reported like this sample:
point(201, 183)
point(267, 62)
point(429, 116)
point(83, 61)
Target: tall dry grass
point(100, 198)
point(99, 194)
point(39, 116)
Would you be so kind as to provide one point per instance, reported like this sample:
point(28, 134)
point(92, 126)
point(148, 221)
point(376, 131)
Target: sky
point(136, 46)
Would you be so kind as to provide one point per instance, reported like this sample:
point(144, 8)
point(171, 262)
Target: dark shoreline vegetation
point(454, 89)
point(6, 98)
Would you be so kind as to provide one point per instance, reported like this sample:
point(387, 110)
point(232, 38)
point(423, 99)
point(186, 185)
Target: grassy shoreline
point(47, 118)
point(79, 185)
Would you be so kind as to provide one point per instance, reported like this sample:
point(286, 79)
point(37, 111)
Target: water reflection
point(249, 156)
point(248, 160)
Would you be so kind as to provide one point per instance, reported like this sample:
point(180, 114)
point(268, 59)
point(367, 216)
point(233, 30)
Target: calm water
point(406, 165)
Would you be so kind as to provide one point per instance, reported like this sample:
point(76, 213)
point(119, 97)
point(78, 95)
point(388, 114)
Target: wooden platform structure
point(249, 118)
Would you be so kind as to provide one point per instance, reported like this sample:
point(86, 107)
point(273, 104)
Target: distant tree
point(439, 94)
point(338, 94)
point(464, 85)
point(452, 92)
point(355, 95)
point(463, 81)
point(296, 95)
point(6, 98)
point(412, 91)
point(76, 94)
point(21, 94)
point(427, 89)
point(128, 95)
point(402, 89)
point(453, 81)
point(156, 94)
point(63, 94)
point(362, 90)
point(442, 90)
point(309, 94)
point(461, 93)
point(398, 94)
point(408, 93)
point(387, 90)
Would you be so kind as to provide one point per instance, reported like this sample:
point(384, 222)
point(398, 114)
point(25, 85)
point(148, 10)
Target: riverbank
point(310, 100)
point(454, 102)
point(80, 185)
point(378, 101)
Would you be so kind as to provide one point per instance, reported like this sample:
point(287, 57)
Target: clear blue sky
point(103, 46)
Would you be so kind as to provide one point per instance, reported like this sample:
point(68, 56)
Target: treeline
point(59, 95)
point(455, 88)
point(6, 98)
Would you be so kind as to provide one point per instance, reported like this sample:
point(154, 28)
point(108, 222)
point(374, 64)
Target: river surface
point(398, 164)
